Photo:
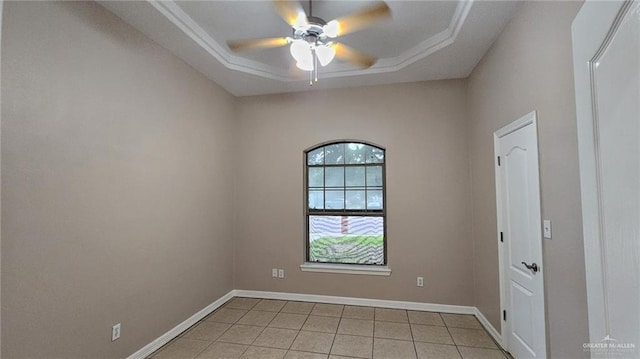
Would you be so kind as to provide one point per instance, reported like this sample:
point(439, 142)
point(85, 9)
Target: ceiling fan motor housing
point(313, 33)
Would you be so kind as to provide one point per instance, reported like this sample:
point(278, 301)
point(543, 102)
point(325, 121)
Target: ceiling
point(423, 40)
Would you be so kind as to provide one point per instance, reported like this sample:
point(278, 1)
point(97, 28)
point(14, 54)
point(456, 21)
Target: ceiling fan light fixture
point(331, 29)
point(301, 51)
point(311, 38)
point(325, 54)
point(305, 66)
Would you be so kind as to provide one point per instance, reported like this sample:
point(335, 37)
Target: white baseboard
point(394, 304)
point(168, 336)
point(487, 325)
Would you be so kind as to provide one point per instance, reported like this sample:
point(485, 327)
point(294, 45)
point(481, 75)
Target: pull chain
point(311, 74)
point(315, 64)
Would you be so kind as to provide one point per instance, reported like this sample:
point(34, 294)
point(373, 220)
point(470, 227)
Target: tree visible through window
point(345, 196)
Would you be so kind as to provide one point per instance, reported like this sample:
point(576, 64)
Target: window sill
point(345, 269)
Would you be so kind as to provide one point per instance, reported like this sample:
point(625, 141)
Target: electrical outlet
point(274, 273)
point(280, 273)
point(420, 282)
point(115, 332)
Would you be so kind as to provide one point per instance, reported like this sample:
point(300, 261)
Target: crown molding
point(427, 47)
point(196, 33)
point(190, 27)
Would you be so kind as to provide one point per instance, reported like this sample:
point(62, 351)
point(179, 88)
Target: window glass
point(334, 154)
point(316, 177)
point(335, 176)
point(375, 155)
point(345, 212)
point(316, 199)
point(334, 199)
point(374, 176)
point(374, 199)
point(355, 176)
point(316, 157)
point(355, 200)
point(356, 153)
point(351, 239)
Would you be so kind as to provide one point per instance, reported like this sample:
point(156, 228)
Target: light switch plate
point(546, 228)
point(115, 332)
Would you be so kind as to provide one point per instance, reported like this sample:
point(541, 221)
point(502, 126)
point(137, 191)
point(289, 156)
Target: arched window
point(345, 203)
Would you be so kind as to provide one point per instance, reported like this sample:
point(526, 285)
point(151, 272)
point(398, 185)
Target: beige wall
point(530, 68)
point(423, 128)
point(116, 169)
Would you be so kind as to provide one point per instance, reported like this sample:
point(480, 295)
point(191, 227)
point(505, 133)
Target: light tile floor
point(262, 328)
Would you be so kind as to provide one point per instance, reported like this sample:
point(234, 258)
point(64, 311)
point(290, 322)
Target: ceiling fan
point(312, 37)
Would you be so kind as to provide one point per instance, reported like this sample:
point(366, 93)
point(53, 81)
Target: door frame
point(526, 120)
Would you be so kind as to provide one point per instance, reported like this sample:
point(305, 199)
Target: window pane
point(374, 199)
point(316, 177)
point(355, 200)
point(335, 176)
point(374, 176)
point(334, 154)
point(316, 199)
point(374, 155)
point(346, 239)
point(356, 152)
point(316, 157)
point(355, 176)
point(334, 199)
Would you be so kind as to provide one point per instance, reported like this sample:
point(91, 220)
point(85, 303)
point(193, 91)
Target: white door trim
point(528, 119)
point(591, 47)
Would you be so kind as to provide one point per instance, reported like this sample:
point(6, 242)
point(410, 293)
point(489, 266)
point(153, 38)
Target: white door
point(606, 50)
point(520, 239)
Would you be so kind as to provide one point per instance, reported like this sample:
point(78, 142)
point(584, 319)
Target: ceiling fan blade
point(361, 19)
point(355, 57)
point(291, 11)
point(242, 45)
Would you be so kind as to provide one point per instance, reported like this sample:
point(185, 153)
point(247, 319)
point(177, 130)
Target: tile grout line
point(336, 333)
point(265, 327)
point(373, 334)
point(181, 335)
point(413, 339)
point(302, 326)
point(453, 340)
point(216, 339)
point(373, 340)
point(236, 323)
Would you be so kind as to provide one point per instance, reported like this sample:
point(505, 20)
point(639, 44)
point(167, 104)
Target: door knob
point(532, 266)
